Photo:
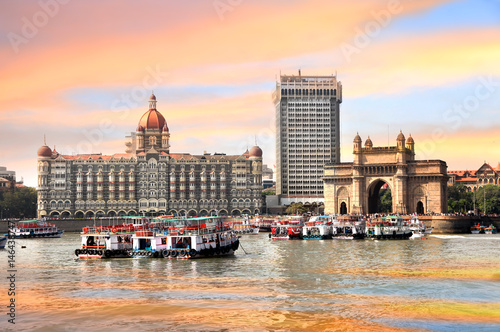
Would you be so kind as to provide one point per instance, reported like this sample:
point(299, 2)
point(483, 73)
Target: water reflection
point(274, 285)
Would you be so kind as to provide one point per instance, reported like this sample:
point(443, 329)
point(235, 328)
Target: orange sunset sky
point(81, 72)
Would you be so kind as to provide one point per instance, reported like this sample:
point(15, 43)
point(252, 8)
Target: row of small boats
point(330, 227)
point(160, 238)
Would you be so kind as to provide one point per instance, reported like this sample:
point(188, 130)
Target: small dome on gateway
point(255, 152)
point(44, 151)
point(368, 142)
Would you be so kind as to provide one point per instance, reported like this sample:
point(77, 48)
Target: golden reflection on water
point(50, 309)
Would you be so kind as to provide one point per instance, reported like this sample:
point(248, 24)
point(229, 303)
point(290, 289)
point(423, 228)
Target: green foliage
point(268, 192)
point(18, 203)
point(296, 208)
point(385, 201)
point(489, 195)
point(459, 200)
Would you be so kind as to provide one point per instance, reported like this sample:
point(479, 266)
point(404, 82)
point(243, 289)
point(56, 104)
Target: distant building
point(473, 180)
point(149, 179)
point(4, 173)
point(267, 173)
point(8, 179)
point(416, 185)
point(307, 134)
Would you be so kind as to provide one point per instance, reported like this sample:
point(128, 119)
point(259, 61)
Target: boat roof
point(188, 219)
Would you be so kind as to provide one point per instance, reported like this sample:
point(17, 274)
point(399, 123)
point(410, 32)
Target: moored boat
point(318, 228)
point(29, 229)
point(198, 238)
point(349, 228)
point(490, 229)
point(388, 228)
point(287, 228)
point(477, 229)
point(111, 241)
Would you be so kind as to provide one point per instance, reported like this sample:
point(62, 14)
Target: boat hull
point(38, 236)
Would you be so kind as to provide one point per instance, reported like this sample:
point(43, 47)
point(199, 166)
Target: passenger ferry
point(388, 228)
point(106, 242)
point(477, 229)
point(349, 228)
point(28, 229)
point(110, 241)
point(490, 229)
point(196, 238)
point(318, 228)
point(287, 228)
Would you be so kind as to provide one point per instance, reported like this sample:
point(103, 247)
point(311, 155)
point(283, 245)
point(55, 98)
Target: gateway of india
point(417, 186)
point(148, 179)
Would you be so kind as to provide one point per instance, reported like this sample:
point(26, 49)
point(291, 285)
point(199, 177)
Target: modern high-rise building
point(307, 134)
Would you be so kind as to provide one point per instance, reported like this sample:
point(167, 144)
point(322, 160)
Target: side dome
point(401, 137)
point(140, 128)
point(410, 140)
point(368, 142)
point(152, 119)
point(44, 151)
point(255, 152)
point(357, 138)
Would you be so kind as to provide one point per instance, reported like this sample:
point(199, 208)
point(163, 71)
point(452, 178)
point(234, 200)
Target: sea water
point(443, 283)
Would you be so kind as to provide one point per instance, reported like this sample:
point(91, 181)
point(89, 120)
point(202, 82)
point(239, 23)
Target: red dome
point(140, 128)
point(152, 119)
point(44, 151)
point(255, 152)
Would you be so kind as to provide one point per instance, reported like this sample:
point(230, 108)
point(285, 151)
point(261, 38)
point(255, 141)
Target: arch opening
point(420, 207)
point(343, 208)
point(379, 197)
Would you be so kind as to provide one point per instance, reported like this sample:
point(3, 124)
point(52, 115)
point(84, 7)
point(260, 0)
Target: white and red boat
point(110, 241)
point(29, 229)
point(318, 228)
point(388, 228)
point(288, 228)
point(244, 227)
point(197, 238)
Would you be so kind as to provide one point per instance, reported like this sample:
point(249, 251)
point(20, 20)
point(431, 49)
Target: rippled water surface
point(445, 283)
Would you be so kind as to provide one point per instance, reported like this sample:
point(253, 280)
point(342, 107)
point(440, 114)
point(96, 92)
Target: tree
point(18, 202)
point(459, 199)
point(385, 201)
point(296, 208)
point(489, 194)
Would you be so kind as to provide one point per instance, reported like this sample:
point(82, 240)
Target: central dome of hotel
point(152, 119)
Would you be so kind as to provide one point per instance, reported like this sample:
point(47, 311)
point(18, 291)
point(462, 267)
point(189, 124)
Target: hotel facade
point(148, 179)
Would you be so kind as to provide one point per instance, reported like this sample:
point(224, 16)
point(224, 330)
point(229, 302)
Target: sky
point(81, 73)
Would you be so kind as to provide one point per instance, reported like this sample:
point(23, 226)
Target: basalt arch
point(417, 186)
